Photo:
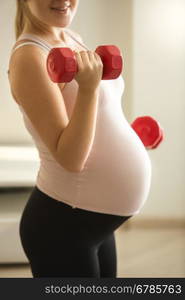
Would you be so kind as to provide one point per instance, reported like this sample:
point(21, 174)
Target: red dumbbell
point(149, 131)
point(62, 65)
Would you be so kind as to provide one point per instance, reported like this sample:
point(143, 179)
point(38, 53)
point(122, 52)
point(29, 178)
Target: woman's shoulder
point(24, 58)
point(19, 42)
point(24, 51)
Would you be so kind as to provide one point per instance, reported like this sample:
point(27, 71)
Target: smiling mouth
point(61, 9)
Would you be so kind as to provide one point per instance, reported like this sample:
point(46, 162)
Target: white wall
point(159, 91)
point(11, 130)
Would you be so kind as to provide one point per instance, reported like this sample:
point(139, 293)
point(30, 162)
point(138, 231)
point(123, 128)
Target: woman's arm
point(80, 131)
point(68, 141)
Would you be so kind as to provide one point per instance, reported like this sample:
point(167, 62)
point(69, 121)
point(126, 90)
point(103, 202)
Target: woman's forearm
point(76, 140)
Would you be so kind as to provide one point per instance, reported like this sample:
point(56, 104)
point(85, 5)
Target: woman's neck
point(53, 36)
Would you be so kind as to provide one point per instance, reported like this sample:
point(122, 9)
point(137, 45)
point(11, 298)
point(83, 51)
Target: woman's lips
point(61, 10)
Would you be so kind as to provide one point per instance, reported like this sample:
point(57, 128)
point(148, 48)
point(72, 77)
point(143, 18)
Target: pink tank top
point(117, 175)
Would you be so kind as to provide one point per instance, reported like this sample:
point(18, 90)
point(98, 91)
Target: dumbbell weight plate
point(149, 131)
point(112, 61)
point(157, 142)
point(61, 65)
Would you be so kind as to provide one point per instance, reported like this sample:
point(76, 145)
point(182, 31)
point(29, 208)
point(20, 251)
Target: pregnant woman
point(94, 170)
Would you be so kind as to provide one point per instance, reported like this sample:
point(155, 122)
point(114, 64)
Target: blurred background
point(151, 36)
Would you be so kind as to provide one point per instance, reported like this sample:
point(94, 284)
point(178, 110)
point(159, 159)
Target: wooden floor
point(141, 252)
point(151, 253)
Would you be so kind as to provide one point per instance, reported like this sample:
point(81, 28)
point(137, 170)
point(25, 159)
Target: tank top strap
point(42, 43)
point(82, 44)
point(33, 41)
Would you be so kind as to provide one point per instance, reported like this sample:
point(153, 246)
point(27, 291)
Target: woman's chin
point(61, 23)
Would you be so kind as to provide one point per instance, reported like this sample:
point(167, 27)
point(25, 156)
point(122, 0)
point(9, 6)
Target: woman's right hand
point(90, 69)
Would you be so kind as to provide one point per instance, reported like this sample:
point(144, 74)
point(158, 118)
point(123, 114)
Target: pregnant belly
point(118, 168)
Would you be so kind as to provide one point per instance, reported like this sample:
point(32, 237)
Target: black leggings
point(61, 241)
